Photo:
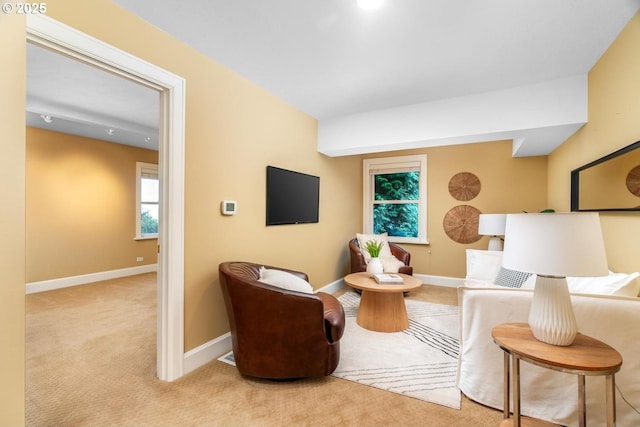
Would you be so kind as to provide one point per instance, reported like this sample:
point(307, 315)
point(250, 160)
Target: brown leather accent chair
point(277, 333)
point(358, 263)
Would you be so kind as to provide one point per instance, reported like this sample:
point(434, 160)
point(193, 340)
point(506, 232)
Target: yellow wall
point(614, 111)
point(234, 129)
point(508, 185)
point(605, 185)
point(12, 224)
point(81, 204)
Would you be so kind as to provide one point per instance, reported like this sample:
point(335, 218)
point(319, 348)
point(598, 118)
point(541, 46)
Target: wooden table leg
point(382, 311)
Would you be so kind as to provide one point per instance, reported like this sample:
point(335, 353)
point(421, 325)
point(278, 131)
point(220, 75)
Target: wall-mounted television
point(292, 197)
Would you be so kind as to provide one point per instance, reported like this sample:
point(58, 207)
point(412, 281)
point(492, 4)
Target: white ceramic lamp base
point(551, 317)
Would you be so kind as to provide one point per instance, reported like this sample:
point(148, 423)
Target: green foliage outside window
point(397, 219)
point(148, 224)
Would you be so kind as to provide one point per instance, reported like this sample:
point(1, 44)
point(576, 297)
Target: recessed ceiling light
point(110, 131)
point(147, 139)
point(47, 118)
point(369, 4)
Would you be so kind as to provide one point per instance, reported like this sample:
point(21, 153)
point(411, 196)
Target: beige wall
point(12, 224)
point(81, 204)
point(614, 111)
point(605, 185)
point(508, 185)
point(234, 129)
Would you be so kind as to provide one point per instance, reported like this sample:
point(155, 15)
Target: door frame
point(58, 37)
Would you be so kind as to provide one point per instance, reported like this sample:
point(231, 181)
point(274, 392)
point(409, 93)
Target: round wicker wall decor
point(633, 181)
point(464, 186)
point(461, 224)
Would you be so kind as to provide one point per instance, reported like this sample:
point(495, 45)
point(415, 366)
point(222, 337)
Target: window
point(395, 198)
point(147, 200)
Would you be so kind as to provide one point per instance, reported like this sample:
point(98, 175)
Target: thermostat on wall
point(229, 207)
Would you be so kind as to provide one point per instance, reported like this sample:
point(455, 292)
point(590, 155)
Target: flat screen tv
point(292, 197)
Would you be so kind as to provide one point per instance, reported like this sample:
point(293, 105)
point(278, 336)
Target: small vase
point(375, 266)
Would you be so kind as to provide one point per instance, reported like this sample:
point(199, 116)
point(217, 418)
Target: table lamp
point(492, 225)
point(553, 246)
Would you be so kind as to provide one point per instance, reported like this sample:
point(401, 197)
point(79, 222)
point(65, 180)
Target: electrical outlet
point(139, 259)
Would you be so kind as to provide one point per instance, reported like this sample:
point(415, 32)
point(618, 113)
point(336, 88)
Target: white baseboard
point(65, 282)
point(205, 353)
point(451, 282)
point(332, 287)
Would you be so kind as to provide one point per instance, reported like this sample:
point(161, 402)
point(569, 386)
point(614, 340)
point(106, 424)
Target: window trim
point(140, 167)
point(390, 165)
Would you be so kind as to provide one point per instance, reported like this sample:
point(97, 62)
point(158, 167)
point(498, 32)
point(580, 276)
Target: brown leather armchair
point(358, 263)
point(277, 333)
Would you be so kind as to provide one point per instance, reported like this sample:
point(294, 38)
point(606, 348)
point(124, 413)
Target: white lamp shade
point(555, 244)
point(369, 4)
point(492, 224)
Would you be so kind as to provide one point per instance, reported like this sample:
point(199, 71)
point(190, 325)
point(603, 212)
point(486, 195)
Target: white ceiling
point(331, 59)
point(83, 100)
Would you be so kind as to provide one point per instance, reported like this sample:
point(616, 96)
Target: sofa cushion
point(621, 284)
point(284, 280)
point(483, 265)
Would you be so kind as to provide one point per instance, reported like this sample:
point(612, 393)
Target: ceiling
point(83, 100)
point(330, 59)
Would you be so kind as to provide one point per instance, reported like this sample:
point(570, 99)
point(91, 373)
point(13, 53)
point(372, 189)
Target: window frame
point(141, 167)
point(383, 165)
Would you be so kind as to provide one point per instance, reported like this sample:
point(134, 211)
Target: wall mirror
point(611, 183)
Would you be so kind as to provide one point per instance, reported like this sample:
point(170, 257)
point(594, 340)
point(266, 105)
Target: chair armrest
point(334, 320)
point(358, 264)
point(407, 269)
point(400, 253)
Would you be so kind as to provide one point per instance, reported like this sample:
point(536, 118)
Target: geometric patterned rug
point(419, 362)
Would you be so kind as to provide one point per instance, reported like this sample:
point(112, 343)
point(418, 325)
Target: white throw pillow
point(284, 280)
point(613, 284)
point(364, 238)
point(483, 265)
point(391, 264)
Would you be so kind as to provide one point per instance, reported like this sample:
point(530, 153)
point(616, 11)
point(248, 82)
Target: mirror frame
point(575, 180)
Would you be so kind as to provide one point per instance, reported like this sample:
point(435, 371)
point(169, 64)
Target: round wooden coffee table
point(382, 307)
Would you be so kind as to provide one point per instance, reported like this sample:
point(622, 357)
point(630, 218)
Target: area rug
point(419, 362)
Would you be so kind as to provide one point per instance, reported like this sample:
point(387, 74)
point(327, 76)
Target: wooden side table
point(586, 356)
point(382, 307)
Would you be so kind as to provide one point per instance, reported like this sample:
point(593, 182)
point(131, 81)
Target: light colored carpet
point(91, 362)
point(420, 362)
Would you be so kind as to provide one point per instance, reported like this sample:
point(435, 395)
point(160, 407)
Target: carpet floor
point(91, 362)
point(419, 362)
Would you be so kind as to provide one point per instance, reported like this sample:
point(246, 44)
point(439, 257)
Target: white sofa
point(550, 395)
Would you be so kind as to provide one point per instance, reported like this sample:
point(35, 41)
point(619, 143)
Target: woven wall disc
point(633, 181)
point(461, 224)
point(464, 186)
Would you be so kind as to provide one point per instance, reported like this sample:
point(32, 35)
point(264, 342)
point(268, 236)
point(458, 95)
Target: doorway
point(57, 37)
